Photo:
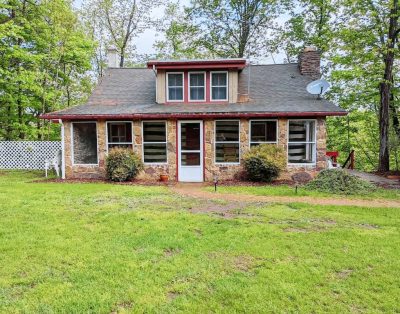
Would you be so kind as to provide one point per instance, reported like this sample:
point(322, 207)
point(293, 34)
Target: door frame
point(179, 150)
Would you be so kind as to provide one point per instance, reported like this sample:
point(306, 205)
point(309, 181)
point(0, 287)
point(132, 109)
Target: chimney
point(112, 57)
point(310, 62)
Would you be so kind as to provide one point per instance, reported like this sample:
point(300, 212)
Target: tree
point(182, 38)
point(118, 21)
point(310, 23)
point(234, 28)
point(386, 85)
point(364, 66)
point(44, 58)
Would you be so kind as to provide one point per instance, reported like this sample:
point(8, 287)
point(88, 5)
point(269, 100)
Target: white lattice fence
point(27, 154)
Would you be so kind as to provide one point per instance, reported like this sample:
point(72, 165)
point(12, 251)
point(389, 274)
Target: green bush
point(264, 162)
point(339, 181)
point(122, 164)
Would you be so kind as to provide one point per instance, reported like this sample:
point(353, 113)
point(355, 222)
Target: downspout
point(62, 149)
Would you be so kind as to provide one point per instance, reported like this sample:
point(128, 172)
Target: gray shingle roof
point(273, 89)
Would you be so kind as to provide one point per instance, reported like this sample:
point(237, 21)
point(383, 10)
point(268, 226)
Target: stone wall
point(153, 172)
point(85, 171)
point(224, 171)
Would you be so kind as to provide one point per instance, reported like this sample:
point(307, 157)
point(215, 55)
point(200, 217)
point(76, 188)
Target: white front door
point(190, 151)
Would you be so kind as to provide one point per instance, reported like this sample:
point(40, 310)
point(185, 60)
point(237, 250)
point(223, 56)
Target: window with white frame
point(154, 142)
point(84, 143)
point(119, 134)
point(175, 86)
point(219, 85)
point(263, 131)
point(197, 86)
point(227, 141)
point(301, 143)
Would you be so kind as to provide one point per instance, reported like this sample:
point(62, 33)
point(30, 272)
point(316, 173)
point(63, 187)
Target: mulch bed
point(136, 182)
point(160, 183)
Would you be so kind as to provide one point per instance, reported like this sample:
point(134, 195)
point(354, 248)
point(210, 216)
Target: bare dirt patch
point(125, 305)
point(172, 295)
point(244, 263)
point(368, 226)
point(305, 229)
point(171, 252)
point(226, 210)
point(197, 191)
point(241, 263)
point(344, 273)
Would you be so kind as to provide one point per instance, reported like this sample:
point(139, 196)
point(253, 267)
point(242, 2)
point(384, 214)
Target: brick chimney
point(310, 62)
point(112, 57)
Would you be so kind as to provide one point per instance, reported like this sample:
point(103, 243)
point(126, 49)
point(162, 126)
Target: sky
point(145, 41)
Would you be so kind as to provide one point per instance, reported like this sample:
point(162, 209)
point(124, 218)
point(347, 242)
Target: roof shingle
point(274, 89)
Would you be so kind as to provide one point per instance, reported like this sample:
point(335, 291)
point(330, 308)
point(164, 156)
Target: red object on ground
point(333, 155)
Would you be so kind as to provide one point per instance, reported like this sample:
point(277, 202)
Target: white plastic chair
point(331, 165)
point(54, 163)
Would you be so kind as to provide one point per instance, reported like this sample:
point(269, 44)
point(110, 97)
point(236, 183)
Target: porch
point(192, 150)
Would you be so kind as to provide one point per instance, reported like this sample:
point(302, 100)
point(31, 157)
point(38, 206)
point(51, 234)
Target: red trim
point(199, 64)
point(208, 87)
point(176, 150)
point(237, 66)
point(199, 116)
point(186, 87)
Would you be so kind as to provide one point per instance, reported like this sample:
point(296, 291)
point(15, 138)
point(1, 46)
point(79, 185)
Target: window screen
point(263, 132)
point(301, 144)
point(227, 141)
point(175, 86)
point(154, 142)
point(84, 136)
point(119, 134)
point(219, 86)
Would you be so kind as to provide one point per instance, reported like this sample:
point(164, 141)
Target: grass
point(285, 190)
point(101, 248)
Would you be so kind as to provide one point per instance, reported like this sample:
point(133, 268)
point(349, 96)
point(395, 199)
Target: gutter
point(154, 116)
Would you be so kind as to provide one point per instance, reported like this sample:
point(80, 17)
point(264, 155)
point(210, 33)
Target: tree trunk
point(122, 60)
point(385, 88)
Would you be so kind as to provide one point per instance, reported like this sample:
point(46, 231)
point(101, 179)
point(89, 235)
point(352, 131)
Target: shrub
point(339, 181)
point(122, 164)
point(264, 162)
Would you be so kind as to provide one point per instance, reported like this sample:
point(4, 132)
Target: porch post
point(62, 150)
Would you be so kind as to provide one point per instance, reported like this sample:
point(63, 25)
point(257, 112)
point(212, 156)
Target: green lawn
point(101, 248)
point(285, 190)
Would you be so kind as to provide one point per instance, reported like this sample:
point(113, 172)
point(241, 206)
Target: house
point(194, 119)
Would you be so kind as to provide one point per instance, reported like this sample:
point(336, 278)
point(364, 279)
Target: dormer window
point(175, 86)
point(219, 86)
point(197, 86)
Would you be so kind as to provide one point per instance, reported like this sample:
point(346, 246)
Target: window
point(84, 143)
point(301, 144)
point(154, 142)
point(175, 86)
point(227, 141)
point(219, 85)
point(119, 134)
point(197, 86)
point(263, 132)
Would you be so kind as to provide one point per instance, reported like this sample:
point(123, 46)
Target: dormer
point(197, 81)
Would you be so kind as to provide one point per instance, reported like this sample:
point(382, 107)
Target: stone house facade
point(194, 120)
